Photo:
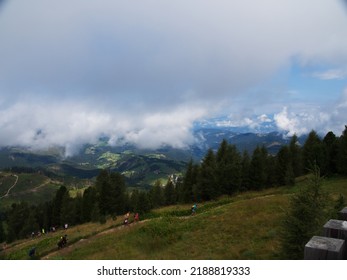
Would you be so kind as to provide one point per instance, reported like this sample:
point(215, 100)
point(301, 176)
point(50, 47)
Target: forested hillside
point(224, 172)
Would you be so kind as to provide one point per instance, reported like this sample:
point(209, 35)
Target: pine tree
point(134, 199)
point(295, 156)
point(258, 174)
point(143, 203)
point(228, 168)
point(207, 180)
point(2, 232)
point(313, 152)
point(104, 192)
point(285, 171)
point(342, 151)
point(170, 195)
point(331, 147)
point(17, 216)
point(189, 181)
point(88, 202)
point(307, 214)
point(57, 203)
point(156, 195)
point(117, 192)
point(30, 224)
point(68, 210)
point(245, 171)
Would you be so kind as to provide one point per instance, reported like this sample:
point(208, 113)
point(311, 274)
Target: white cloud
point(331, 117)
point(144, 71)
point(40, 126)
point(332, 74)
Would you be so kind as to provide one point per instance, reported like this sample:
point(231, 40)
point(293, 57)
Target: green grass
point(244, 226)
point(32, 188)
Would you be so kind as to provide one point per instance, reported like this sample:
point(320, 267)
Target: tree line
point(225, 171)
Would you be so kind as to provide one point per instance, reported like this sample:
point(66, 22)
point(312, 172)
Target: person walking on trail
point(62, 242)
point(32, 252)
point(136, 217)
point(126, 218)
point(194, 208)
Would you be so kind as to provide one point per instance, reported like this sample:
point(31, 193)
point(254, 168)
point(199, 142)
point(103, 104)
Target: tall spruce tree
point(117, 199)
point(307, 214)
point(295, 156)
point(228, 168)
point(342, 151)
point(170, 195)
point(156, 195)
point(56, 207)
point(258, 172)
point(189, 181)
point(313, 152)
point(104, 192)
point(331, 147)
point(245, 171)
point(284, 167)
point(88, 203)
point(207, 180)
point(2, 232)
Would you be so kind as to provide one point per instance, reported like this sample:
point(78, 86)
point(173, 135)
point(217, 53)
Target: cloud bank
point(145, 71)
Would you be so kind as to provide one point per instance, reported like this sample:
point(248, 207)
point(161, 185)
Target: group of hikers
point(127, 216)
point(63, 239)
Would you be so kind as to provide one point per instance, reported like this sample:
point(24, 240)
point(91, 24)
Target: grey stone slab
point(336, 229)
point(325, 248)
point(343, 214)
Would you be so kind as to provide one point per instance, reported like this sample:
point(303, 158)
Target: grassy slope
point(240, 227)
point(31, 188)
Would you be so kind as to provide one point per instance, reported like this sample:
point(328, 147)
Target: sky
point(143, 72)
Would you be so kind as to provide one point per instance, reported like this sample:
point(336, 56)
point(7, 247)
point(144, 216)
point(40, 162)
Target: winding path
point(73, 245)
point(8, 191)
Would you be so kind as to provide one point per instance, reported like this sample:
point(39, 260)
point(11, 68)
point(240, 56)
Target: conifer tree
point(88, 203)
point(30, 223)
point(245, 171)
point(170, 195)
point(307, 214)
point(104, 192)
point(258, 173)
point(156, 195)
point(330, 143)
point(134, 199)
point(342, 151)
point(295, 156)
point(189, 181)
point(57, 203)
point(207, 180)
point(228, 168)
point(17, 216)
point(313, 152)
point(117, 192)
point(284, 167)
point(68, 210)
point(2, 232)
point(143, 203)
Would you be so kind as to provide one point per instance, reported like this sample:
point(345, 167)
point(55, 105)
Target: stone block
point(336, 229)
point(324, 248)
point(343, 214)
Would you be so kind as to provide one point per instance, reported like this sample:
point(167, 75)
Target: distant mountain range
point(140, 167)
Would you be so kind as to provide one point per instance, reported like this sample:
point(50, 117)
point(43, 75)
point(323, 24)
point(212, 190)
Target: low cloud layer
point(324, 118)
point(145, 71)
